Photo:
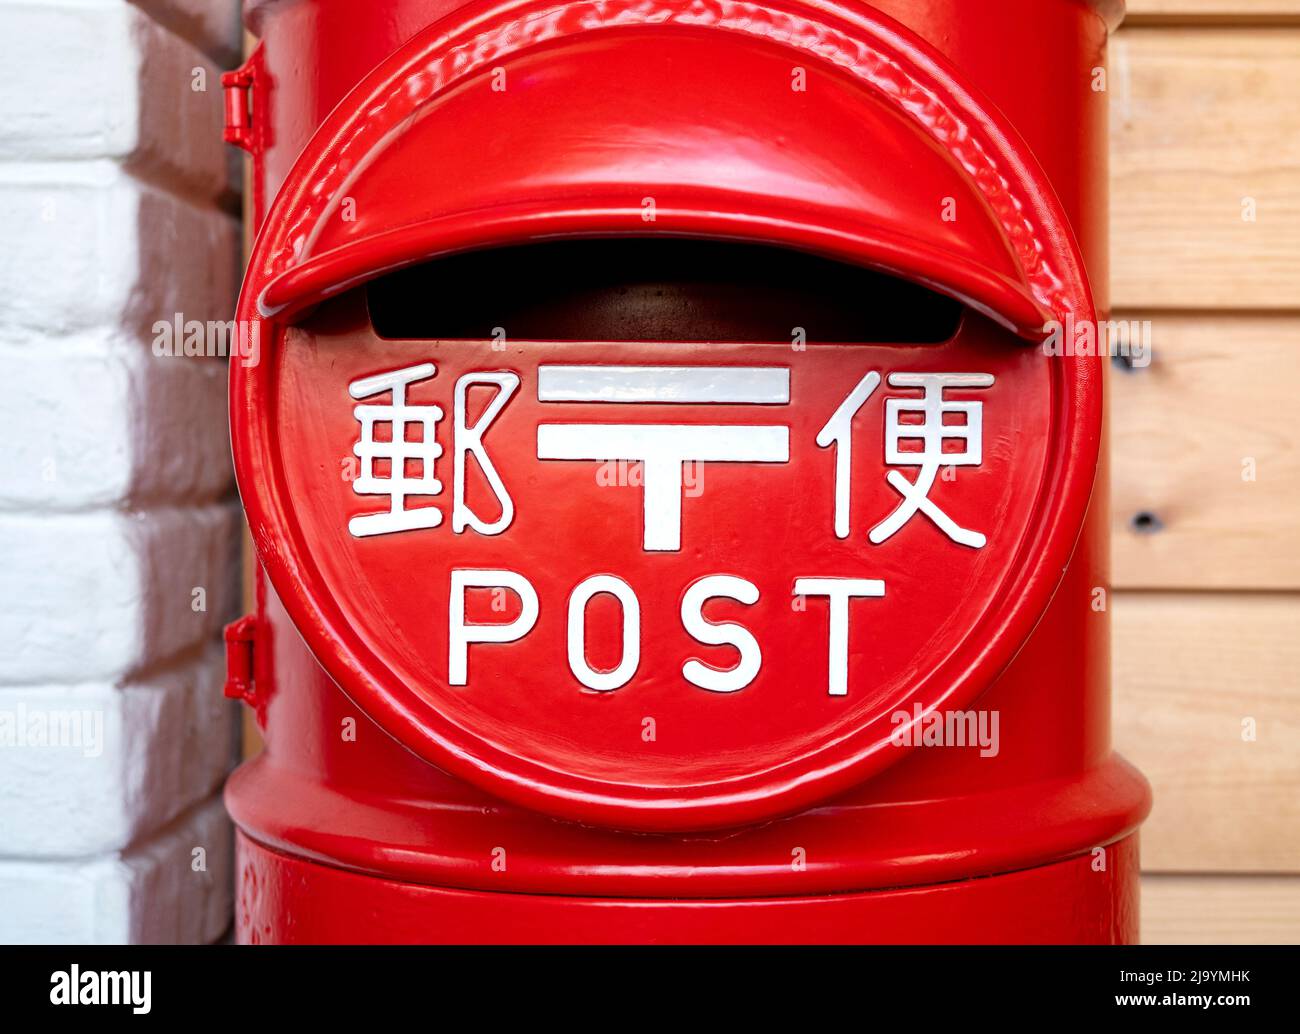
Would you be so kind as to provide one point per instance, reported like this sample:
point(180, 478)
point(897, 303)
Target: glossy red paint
point(287, 900)
point(859, 169)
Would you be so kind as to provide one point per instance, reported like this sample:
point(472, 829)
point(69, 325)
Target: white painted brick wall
point(102, 595)
point(77, 451)
point(145, 751)
point(117, 202)
point(91, 246)
point(102, 79)
point(152, 893)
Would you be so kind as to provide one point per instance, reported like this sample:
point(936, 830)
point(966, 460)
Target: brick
point(105, 80)
point(100, 596)
point(150, 894)
point(107, 422)
point(87, 245)
point(211, 25)
point(91, 768)
point(182, 115)
point(61, 105)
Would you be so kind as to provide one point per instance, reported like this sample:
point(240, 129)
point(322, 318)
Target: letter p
point(460, 635)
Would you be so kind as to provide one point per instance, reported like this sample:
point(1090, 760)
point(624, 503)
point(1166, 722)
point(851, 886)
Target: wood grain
point(1220, 909)
point(1213, 11)
point(1190, 669)
point(1202, 119)
point(1219, 402)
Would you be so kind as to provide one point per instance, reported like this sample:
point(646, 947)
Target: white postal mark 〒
point(755, 385)
point(663, 448)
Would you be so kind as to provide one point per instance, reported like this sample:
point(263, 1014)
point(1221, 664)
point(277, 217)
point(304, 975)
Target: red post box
point(671, 524)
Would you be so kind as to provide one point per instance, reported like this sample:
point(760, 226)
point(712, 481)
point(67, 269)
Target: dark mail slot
point(646, 289)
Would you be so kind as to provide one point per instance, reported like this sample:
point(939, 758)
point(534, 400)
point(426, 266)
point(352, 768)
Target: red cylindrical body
point(356, 838)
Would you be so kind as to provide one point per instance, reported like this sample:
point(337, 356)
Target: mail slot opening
point(668, 289)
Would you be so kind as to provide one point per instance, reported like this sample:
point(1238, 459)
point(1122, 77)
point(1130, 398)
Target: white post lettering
point(578, 600)
point(460, 635)
point(718, 680)
point(839, 591)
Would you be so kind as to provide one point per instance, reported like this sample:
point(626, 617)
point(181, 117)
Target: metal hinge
point(241, 641)
point(241, 110)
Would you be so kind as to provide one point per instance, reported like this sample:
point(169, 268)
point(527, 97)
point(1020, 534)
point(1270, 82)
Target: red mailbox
point(671, 526)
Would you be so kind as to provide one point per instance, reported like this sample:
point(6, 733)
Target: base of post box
point(287, 900)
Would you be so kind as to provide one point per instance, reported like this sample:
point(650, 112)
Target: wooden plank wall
point(1205, 201)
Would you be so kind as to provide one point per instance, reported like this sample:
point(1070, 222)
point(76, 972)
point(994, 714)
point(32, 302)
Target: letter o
point(578, 600)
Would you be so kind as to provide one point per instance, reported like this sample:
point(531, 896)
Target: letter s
point(719, 680)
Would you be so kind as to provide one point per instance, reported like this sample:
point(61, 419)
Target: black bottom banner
point(843, 987)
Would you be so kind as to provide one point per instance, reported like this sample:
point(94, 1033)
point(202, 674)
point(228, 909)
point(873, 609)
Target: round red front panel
point(714, 504)
point(664, 586)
